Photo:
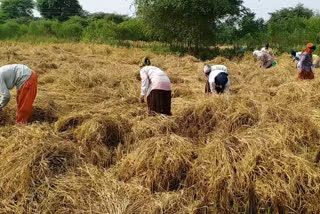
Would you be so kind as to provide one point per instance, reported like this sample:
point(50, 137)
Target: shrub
point(133, 29)
point(100, 31)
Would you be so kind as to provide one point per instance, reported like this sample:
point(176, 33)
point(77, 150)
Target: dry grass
point(92, 148)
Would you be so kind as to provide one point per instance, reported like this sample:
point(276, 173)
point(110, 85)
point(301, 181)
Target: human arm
point(212, 86)
point(227, 87)
point(142, 99)
point(5, 94)
point(301, 62)
point(144, 82)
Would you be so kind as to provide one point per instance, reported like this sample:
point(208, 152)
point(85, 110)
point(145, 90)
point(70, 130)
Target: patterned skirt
point(305, 75)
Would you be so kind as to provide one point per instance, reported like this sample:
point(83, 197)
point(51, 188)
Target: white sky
point(109, 6)
point(260, 7)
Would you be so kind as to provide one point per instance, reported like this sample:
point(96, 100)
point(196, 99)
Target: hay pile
point(91, 147)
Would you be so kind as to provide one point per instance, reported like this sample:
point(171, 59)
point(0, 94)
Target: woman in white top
point(266, 60)
point(156, 86)
point(267, 49)
point(217, 79)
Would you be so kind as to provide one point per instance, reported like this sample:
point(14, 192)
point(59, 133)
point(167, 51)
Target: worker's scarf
point(308, 50)
point(145, 62)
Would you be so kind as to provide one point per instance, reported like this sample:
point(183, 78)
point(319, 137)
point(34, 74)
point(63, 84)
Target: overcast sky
point(260, 7)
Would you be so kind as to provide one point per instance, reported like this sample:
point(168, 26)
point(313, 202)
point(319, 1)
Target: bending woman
point(156, 86)
point(26, 82)
point(217, 79)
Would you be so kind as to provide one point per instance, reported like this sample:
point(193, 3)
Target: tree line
point(192, 26)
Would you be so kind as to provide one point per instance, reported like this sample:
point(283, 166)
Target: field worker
point(305, 64)
point(26, 82)
point(315, 58)
point(156, 86)
point(296, 56)
point(267, 49)
point(267, 61)
point(217, 79)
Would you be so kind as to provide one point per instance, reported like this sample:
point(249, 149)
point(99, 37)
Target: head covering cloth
point(207, 69)
point(309, 49)
point(145, 62)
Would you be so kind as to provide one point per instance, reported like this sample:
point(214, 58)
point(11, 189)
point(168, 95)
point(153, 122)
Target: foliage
point(11, 30)
point(297, 25)
point(100, 31)
point(116, 18)
point(11, 9)
point(190, 22)
point(57, 9)
point(133, 29)
point(292, 12)
point(235, 28)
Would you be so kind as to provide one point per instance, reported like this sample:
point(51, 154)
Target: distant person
point(267, 49)
point(305, 65)
point(26, 82)
point(156, 86)
point(315, 58)
point(296, 55)
point(217, 79)
point(239, 50)
point(266, 60)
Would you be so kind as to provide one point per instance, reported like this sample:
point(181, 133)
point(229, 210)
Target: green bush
point(43, 28)
point(291, 33)
point(11, 30)
point(133, 29)
point(100, 31)
point(84, 22)
point(72, 31)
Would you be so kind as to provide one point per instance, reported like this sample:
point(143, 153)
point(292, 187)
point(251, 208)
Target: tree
point(190, 22)
point(11, 9)
point(289, 13)
point(116, 18)
point(59, 9)
point(236, 27)
point(249, 24)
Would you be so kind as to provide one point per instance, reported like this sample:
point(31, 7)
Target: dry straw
point(93, 148)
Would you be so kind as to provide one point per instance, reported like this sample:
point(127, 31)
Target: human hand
point(142, 99)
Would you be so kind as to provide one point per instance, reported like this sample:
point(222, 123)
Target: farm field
point(92, 147)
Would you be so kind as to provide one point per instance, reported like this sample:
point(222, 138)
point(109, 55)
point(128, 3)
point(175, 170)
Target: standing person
point(315, 58)
point(267, 49)
point(217, 79)
point(26, 82)
point(156, 86)
point(305, 63)
point(267, 61)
